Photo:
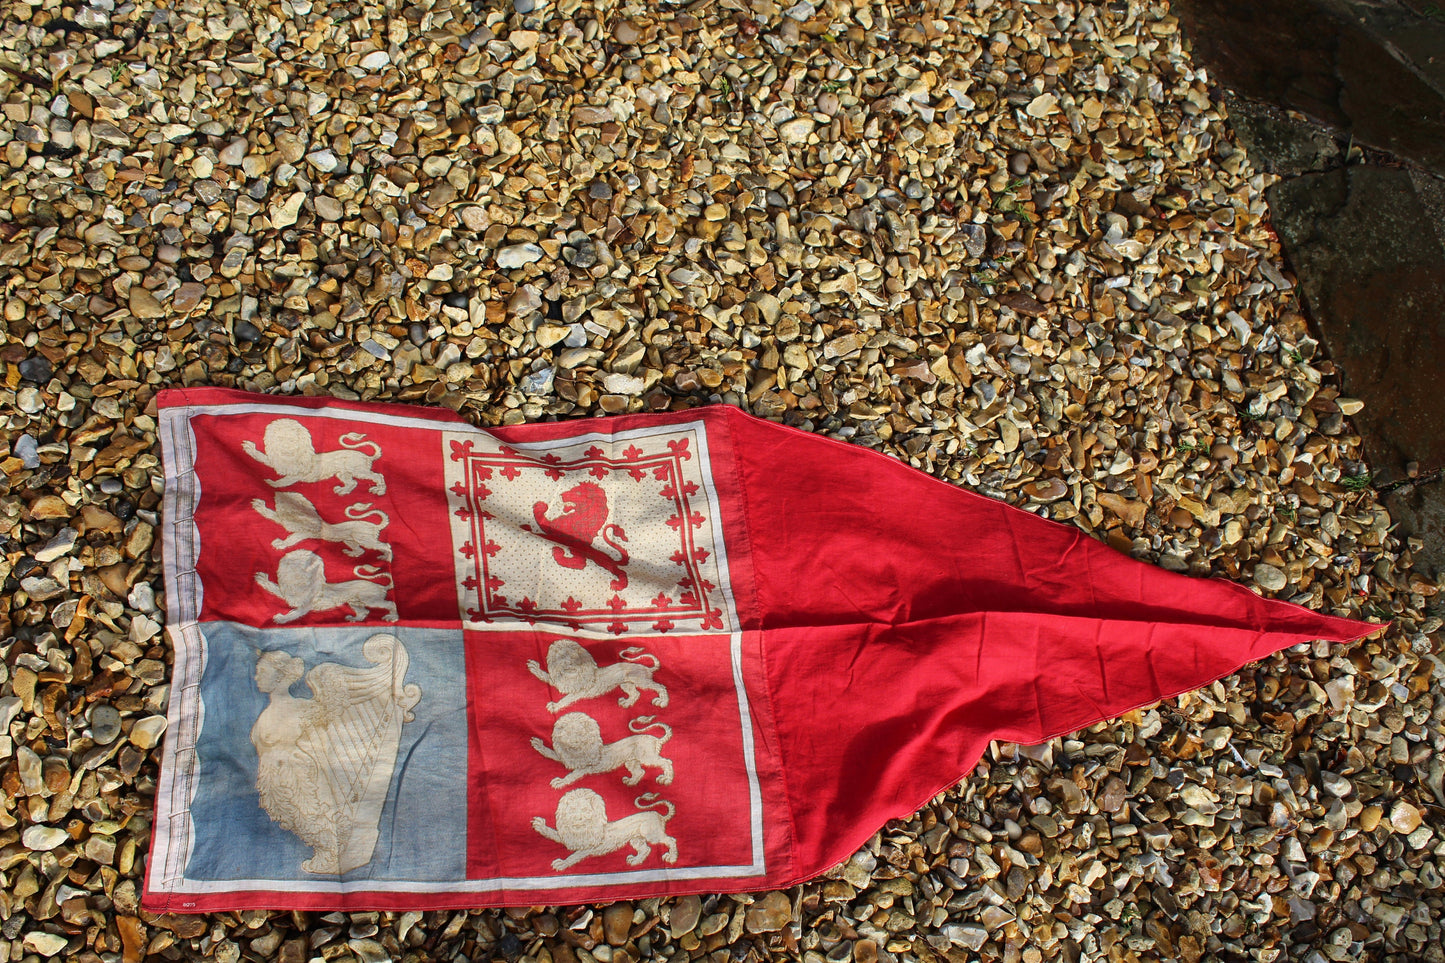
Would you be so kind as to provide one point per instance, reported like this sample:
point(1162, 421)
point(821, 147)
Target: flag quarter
point(612, 762)
point(618, 533)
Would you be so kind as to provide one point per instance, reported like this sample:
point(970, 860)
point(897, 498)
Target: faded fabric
point(422, 665)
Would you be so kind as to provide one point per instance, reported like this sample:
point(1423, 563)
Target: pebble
point(146, 733)
point(60, 544)
point(187, 296)
point(104, 724)
point(797, 130)
point(285, 213)
point(617, 923)
point(967, 935)
point(1269, 578)
point(769, 914)
point(45, 943)
point(144, 305)
point(42, 839)
point(686, 912)
point(27, 449)
point(37, 369)
point(323, 160)
point(1404, 818)
point(233, 153)
point(518, 255)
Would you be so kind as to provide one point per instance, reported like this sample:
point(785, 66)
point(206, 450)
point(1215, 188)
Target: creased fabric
point(420, 664)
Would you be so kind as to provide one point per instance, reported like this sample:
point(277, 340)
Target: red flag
point(421, 665)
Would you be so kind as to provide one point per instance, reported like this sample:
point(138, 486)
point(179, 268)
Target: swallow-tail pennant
point(420, 664)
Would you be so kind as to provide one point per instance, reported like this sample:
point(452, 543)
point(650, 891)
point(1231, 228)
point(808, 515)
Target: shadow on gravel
point(1345, 100)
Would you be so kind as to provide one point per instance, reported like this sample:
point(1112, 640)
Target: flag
point(420, 664)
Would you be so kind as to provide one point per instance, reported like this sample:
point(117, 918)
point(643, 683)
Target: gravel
point(1014, 244)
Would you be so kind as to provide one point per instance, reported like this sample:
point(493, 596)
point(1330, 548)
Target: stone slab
point(1367, 246)
point(1373, 69)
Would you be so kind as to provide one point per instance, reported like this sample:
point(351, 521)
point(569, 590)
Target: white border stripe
point(755, 795)
point(174, 837)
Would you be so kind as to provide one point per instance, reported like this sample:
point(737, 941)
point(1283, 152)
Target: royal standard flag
point(419, 664)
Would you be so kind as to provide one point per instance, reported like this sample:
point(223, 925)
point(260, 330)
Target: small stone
point(1269, 578)
point(590, 116)
point(323, 160)
point(858, 871)
point(538, 382)
point(1370, 818)
point(1042, 106)
point(769, 914)
point(550, 334)
point(42, 839)
point(146, 733)
point(1018, 163)
point(518, 255)
point(187, 296)
point(525, 301)
point(27, 449)
point(143, 304)
point(233, 153)
point(286, 213)
point(37, 369)
point(132, 938)
point(797, 130)
point(582, 256)
point(327, 207)
point(970, 936)
point(1350, 406)
point(600, 190)
point(46, 944)
point(1022, 303)
point(60, 544)
point(41, 587)
point(9, 708)
point(475, 218)
point(1049, 490)
point(104, 724)
point(1404, 818)
point(49, 506)
point(617, 923)
point(686, 912)
point(100, 849)
point(376, 60)
point(975, 239)
point(30, 769)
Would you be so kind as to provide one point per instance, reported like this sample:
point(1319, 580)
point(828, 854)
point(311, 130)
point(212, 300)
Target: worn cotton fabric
point(421, 664)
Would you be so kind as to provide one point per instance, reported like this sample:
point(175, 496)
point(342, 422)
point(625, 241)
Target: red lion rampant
point(582, 519)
